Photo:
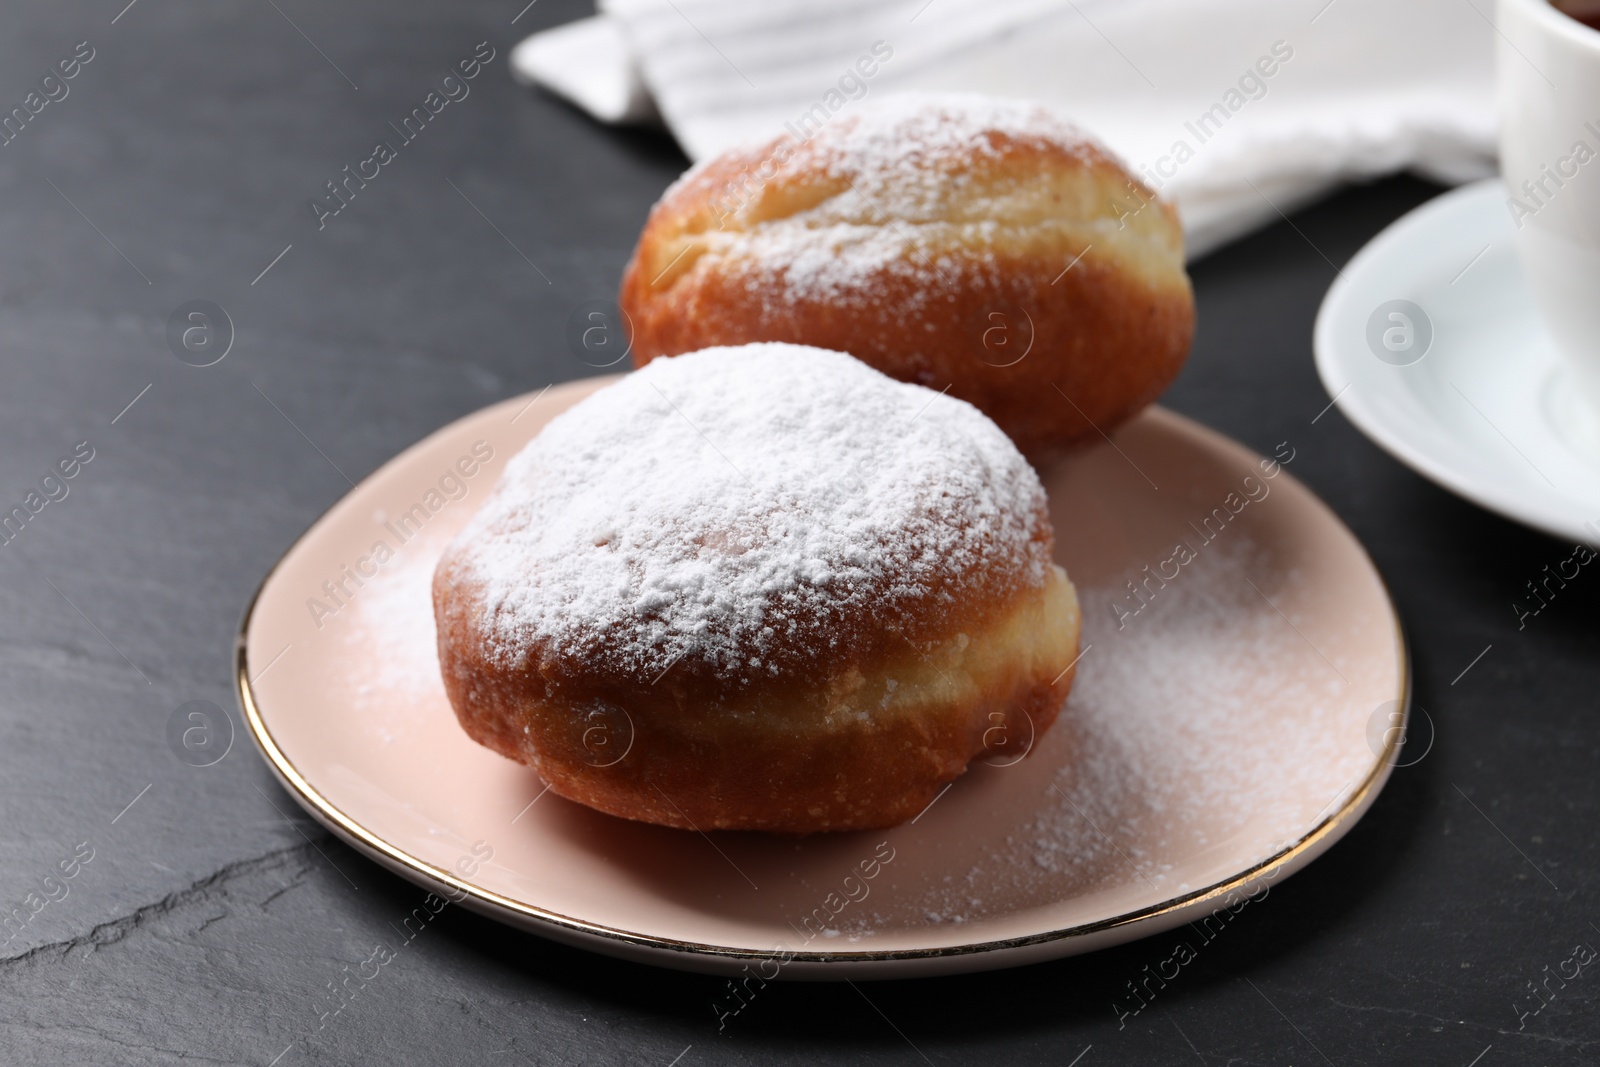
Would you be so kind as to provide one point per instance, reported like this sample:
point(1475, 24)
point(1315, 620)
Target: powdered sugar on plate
point(394, 613)
point(749, 509)
point(1183, 727)
point(1183, 736)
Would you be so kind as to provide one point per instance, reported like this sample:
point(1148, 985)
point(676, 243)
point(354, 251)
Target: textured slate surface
point(213, 921)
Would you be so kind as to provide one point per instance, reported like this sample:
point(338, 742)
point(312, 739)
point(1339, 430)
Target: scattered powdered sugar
point(393, 617)
point(750, 508)
point(1209, 718)
point(1200, 738)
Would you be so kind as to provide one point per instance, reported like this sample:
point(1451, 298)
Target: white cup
point(1548, 69)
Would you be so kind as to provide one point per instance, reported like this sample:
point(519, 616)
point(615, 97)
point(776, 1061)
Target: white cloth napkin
point(1180, 89)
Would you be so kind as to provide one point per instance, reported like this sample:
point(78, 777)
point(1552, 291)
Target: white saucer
point(1486, 410)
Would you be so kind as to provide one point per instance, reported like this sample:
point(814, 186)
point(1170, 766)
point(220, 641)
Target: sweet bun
point(762, 588)
point(960, 241)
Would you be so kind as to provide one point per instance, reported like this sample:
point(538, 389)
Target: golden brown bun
point(760, 588)
point(791, 758)
point(932, 238)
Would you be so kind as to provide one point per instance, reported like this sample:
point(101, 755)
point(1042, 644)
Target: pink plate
point(1240, 700)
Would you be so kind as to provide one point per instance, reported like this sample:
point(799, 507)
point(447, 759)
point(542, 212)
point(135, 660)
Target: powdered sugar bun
point(762, 587)
point(950, 240)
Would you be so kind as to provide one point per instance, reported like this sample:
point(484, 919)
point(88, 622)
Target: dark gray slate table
point(205, 916)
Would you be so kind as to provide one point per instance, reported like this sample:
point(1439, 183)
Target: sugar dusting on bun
point(748, 510)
